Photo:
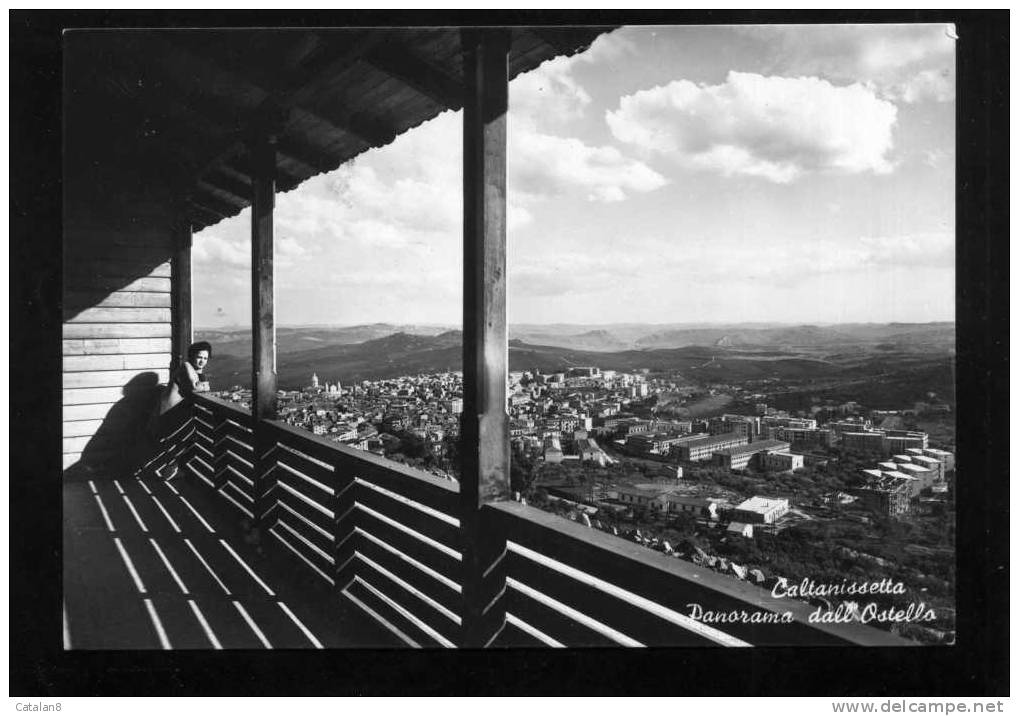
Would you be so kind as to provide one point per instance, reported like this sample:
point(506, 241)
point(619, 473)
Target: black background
point(976, 665)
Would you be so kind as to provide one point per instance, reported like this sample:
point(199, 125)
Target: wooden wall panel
point(116, 362)
point(121, 315)
point(107, 283)
point(115, 346)
point(109, 378)
point(81, 428)
point(80, 270)
point(76, 444)
point(117, 330)
point(118, 299)
point(91, 396)
point(117, 334)
point(91, 411)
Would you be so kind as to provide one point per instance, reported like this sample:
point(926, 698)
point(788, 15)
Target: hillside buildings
point(702, 447)
point(895, 487)
point(570, 415)
point(740, 456)
point(884, 442)
point(782, 461)
point(760, 510)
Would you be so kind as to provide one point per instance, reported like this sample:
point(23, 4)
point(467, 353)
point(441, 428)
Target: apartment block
point(739, 456)
point(695, 449)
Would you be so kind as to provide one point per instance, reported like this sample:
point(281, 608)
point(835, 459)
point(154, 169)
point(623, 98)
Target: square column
point(180, 296)
point(263, 323)
point(485, 427)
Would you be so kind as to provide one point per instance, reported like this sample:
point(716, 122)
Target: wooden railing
point(384, 535)
point(570, 585)
point(223, 453)
point(389, 540)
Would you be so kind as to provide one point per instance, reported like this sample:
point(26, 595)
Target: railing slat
point(674, 583)
point(551, 622)
point(306, 467)
point(428, 490)
point(430, 613)
point(440, 495)
point(202, 467)
point(229, 441)
point(641, 625)
point(288, 543)
point(229, 458)
point(308, 542)
point(423, 580)
point(233, 495)
point(513, 636)
point(403, 633)
point(284, 497)
point(410, 516)
point(227, 425)
point(210, 404)
point(436, 559)
point(388, 601)
point(316, 446)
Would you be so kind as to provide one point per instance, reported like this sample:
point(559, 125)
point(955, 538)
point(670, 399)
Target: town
point(647, 456)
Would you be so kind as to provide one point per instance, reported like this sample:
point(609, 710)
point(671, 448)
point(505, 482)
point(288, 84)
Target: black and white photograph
point(514, 337)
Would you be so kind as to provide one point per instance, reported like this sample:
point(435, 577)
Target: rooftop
point(759, 446)
point(762, 504)
point(701, 440)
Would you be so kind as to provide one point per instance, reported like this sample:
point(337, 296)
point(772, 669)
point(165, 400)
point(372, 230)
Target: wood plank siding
point(117, 316)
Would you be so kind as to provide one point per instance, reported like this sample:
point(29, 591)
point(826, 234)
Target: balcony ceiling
point(174, 108)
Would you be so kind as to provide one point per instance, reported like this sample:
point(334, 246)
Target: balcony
point(357, 551)
point(267, 536)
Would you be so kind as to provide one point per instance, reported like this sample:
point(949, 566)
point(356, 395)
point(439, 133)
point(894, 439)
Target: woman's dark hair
point(194, 348)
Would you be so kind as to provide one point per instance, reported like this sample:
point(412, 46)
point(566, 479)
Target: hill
point(407, 354)
point(882, 366)
point(294, 339)
point(850, 337)
point(595, 340)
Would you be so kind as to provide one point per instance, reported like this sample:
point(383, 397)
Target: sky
point(800, 174)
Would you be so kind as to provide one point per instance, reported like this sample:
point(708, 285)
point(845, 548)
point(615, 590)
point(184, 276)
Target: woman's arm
point(187, 379)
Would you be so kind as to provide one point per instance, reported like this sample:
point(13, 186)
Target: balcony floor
point(154, 564)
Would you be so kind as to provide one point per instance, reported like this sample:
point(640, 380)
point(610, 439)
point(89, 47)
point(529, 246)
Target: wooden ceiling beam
point(417, 74)
point(313, 157)
point(240, 166)
point(201, 197)
point(205, 217)
point(290, 90)
point(555, 37)
point(209, 188)
point(221, 181)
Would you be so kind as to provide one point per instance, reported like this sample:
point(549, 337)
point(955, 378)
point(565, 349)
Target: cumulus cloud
point(551, 93)
point(777, 128)
point(936, 85)
point(550, 89)
point(543, 162)
point(543, 165)
point(907, 63)
point(220, 250)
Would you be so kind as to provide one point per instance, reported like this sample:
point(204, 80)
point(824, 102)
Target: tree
point(523, 472)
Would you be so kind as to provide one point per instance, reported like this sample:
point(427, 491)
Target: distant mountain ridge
point(614, 337)
point(403, 353)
